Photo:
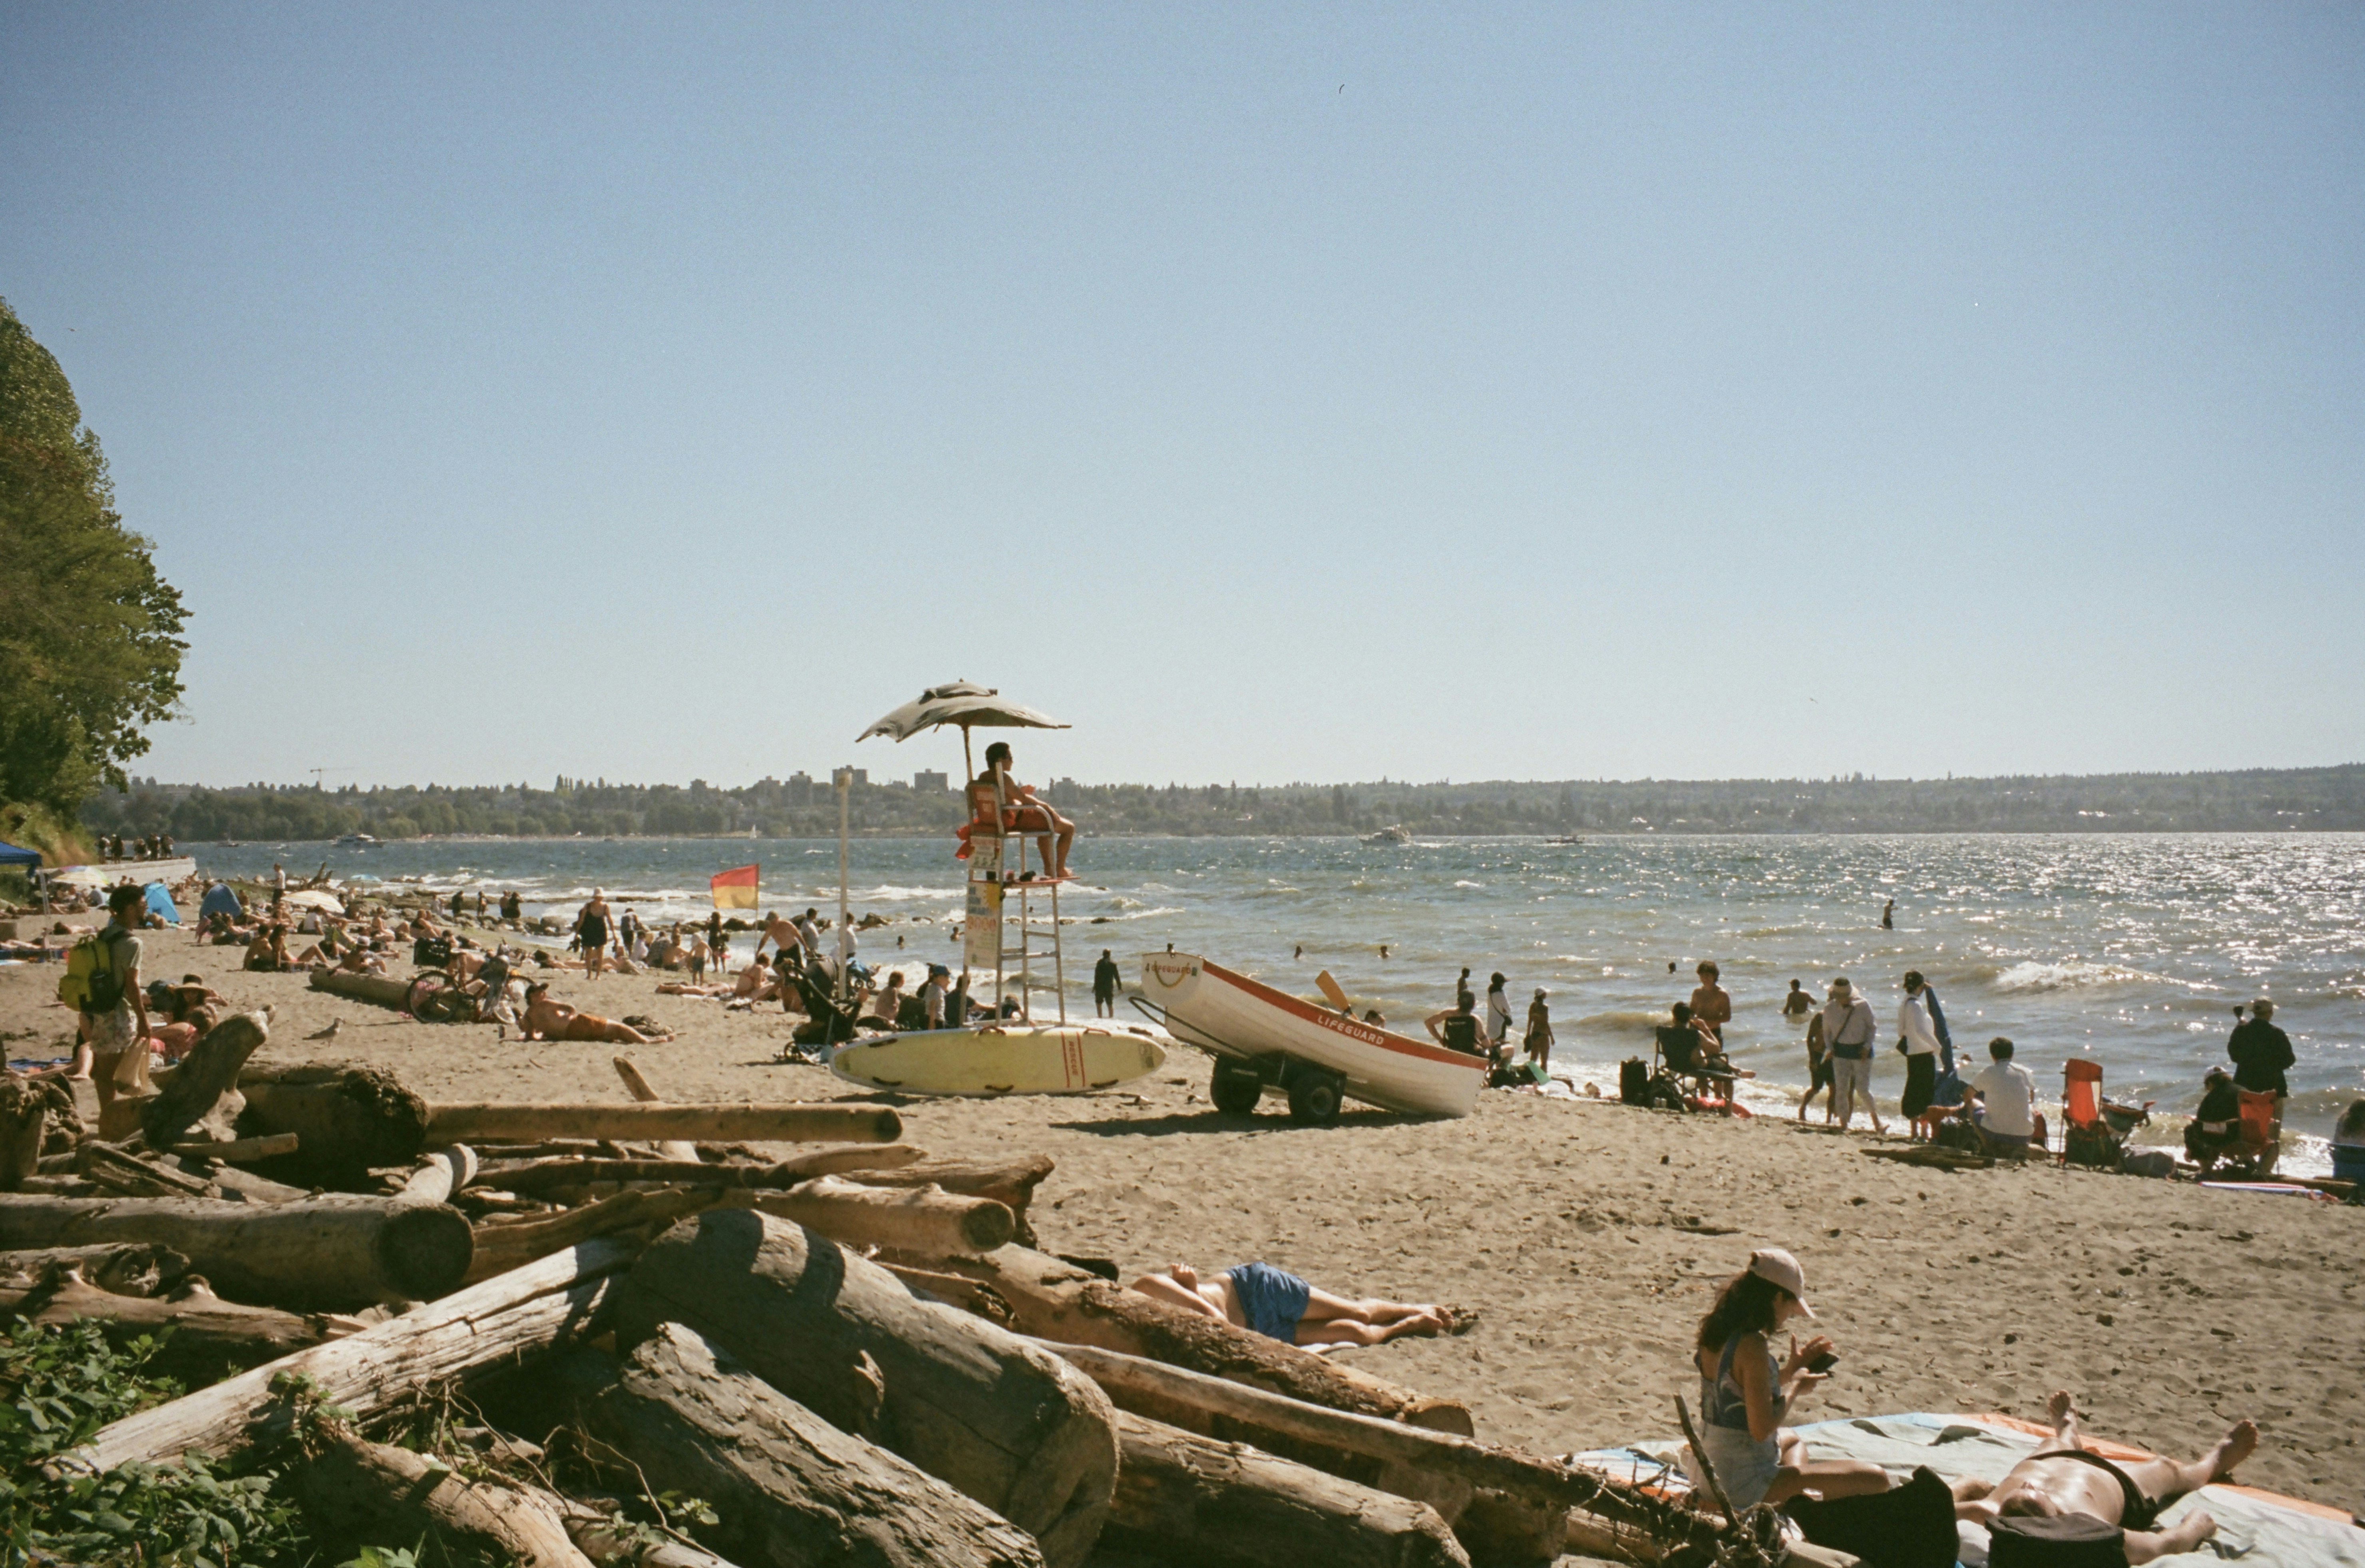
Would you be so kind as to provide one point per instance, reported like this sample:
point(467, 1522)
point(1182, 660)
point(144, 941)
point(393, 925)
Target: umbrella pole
point(968, 767)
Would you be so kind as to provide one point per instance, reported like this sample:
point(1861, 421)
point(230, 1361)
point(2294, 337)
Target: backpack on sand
point(90, 983)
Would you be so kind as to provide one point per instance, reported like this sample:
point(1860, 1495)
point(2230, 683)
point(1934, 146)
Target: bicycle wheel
point(430, 993)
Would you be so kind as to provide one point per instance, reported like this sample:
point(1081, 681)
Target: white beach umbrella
point(965, 705)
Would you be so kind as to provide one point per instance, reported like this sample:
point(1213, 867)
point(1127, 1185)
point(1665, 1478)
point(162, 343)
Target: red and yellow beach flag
point(735, 890)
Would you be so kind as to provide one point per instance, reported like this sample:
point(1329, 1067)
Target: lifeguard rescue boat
point(1262, 1038)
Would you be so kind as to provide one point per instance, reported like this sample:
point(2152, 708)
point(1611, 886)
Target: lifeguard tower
point(1021, 946)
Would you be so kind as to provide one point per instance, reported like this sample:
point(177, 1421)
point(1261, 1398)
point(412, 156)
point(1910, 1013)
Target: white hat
point(1779, 1268)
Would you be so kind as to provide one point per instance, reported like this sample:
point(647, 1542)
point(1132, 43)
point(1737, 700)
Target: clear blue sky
point(1273, 392)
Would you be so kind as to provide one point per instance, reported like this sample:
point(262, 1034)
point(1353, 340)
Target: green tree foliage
point(90, 653)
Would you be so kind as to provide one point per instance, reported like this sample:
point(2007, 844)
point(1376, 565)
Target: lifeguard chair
point(995, 839)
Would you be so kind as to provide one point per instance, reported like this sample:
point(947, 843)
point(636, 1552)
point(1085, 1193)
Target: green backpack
point(90, 983)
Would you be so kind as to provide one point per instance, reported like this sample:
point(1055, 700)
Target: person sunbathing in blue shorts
point(1280, 1305)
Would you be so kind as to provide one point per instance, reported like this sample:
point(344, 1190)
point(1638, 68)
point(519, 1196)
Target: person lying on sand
point(1279, 1305)
point(549, 1020)
point(2066, 1506)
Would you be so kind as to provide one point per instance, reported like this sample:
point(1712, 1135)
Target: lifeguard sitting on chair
point(1001, 804)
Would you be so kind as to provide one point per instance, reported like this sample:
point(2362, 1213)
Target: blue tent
point(12, 855)
point(160, 903)
point(220, 900)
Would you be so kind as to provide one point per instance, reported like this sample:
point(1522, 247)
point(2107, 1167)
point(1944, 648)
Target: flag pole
point(844, 788)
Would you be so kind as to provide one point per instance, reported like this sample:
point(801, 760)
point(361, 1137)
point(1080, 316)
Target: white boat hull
point(1232, 1016)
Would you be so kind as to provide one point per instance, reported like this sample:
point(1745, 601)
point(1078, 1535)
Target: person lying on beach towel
point(1279, 1305)
point(547, 1020)
point(2066, 1506)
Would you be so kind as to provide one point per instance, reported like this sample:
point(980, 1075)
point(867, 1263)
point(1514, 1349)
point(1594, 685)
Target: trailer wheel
point(1314, 1101)
point(1235, 1088)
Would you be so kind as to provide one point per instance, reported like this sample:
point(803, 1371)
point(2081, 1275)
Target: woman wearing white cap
point(1746, 1391)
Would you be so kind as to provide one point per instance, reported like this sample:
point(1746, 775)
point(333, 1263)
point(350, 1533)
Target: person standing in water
point(1540, 1034)
point(1107, 978)
point(1711, 1008)
point(591, 930)
point(1888, 916)
point(1498, 1014)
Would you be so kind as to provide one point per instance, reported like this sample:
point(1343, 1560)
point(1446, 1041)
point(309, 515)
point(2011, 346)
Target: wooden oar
point(1331, 988)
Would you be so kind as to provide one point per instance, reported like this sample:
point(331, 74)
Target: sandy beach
point(1588, 1237)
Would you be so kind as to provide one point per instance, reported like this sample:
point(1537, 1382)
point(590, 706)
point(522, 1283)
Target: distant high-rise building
point(927, 781)
point(799, 789)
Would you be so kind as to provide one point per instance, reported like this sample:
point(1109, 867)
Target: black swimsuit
point(2141, 1513)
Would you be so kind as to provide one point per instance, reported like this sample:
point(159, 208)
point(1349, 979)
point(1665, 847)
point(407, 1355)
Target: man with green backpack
point(102, 983)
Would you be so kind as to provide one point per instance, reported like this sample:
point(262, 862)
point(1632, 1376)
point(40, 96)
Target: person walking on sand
point(1848, 1028)
point(1918, 1041)
point(1818, 1072)
point(1107, 978)
point(1540, 1035)
point(591, 930)
point(1711, 1008)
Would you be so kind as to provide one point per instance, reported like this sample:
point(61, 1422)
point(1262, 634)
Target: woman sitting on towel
point(1745, 1392)
point(1261, 1298)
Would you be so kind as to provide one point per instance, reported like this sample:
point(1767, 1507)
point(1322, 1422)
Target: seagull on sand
point(330, 1033)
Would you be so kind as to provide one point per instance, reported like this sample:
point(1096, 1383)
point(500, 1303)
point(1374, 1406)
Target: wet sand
point(1589, 1237)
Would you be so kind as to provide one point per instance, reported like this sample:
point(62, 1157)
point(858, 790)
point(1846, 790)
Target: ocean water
point(2130, 948)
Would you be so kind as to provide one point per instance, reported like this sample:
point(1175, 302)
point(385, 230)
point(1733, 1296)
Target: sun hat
point(1777, 1267)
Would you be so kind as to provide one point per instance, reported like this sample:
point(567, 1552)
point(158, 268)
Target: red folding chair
point(2081, 1102)
point(2257, 1126)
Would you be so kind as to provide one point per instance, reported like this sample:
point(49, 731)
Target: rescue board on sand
point(1015, 1059)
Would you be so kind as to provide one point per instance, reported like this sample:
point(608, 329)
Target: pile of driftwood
point(854, 1354)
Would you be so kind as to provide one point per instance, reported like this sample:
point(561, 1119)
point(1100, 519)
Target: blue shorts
point(1271, 1299)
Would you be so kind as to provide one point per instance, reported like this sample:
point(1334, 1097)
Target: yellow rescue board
point(1021, 1058)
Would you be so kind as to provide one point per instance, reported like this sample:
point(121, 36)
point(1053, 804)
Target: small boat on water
point(1393, 834)
point(1565, 838)
point(356, 841)
point(1266, 1038)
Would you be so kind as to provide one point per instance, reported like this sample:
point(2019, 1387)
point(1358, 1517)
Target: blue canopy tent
point(159, 903)
point(221, 900)
point(12, 855)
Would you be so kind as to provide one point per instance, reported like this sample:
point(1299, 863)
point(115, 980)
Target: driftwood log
point(362, 1491)
point(517, 1315)
point(568, 1171)
point(207, 1330)
point(1186, 1499)
point(440, 1174)
point(379, 991)
point(918, 1219)
point(513, 1244)
point(24, 1118)
point(792, 1489)
point(756, 1123)
point(336, 1252)
point(594, 1533)
point(200, 1101)
point(351, 1120)
point(1010, 1182)
point(1004, 1422)
point(637, 1085)
point(108, 1166)
point(121, 1267)
point(240, 1150)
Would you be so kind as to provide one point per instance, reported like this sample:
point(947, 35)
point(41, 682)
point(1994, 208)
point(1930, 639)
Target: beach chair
point(1681, 1064)
point(2259, 1145)
point(2085, 1135)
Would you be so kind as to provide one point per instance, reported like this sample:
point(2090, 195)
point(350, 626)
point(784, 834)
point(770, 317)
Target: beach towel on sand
point(2258, 1529)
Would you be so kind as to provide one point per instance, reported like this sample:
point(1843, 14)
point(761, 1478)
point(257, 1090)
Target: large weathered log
point(519, 1315)
point(792, 1489)
point(1183, 1497)
point(335, 1253)
point(921, 1219)
point(595, 1534)
point(207, 1330)
point(363, 1491)
point(1009, 1424)
point(1010, 1182)
point(200, 1099)
point(379, 991)
point(118, 1173)
point(570, 1172)
point(756, 1123)
point(440, 1174)
point(1054, 1300)
point(239, 1150)
point(500, 1248)
point(351, 1120)
point(638, 1086)
point(1157, 1391)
